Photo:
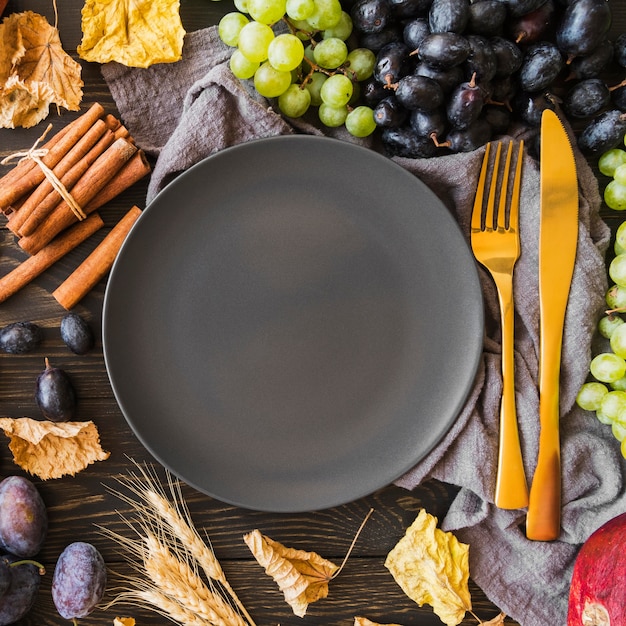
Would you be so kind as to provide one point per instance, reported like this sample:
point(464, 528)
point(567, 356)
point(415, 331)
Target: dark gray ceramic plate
point(293, 323)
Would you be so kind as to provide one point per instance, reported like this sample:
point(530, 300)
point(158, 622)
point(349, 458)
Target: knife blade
point(558, 238)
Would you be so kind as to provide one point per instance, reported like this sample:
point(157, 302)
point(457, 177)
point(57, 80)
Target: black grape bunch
point(452, 74)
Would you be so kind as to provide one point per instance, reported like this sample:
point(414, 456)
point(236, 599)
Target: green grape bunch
point(297, 52)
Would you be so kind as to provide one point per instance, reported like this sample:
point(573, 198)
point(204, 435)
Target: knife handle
point(511, 487)
point(543, 522)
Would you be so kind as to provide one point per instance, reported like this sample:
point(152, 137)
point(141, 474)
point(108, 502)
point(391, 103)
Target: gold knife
point(558, 239)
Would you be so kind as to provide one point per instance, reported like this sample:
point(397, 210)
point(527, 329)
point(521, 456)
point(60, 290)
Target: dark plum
point(20, 337)
point(586, 98)
point(465, 104)
point(55, 395)
point(481, 61)
point(23, 517)
point(508, 56)
point(77, 334)
point(419, 92)
point(389, 113)
point(592, 64)
point(79, 580)
point(541, 65)
point(415, 31)
point(487, 18)
point(604, 132)
point(585, 23)
point(468, 139)
point(444, 50)
point(371, 16)
point(19, 598)
point(534, 26)
point(449, 16)
point(405, 142)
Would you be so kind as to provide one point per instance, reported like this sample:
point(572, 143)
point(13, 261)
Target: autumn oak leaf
point(303, 577)
point(432, 567)
point(135, 33)
point(52, 449)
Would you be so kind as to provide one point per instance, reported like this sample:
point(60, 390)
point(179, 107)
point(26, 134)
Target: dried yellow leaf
point(303, 577)
point(35, 71)
point(52, 449)
point(363, 621)
point(124, 621)
point(136, 33)
point(432, 567)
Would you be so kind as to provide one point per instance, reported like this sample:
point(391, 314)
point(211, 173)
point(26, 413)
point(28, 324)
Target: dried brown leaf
point(136, 33)
point(363, 621)
point(124, 621)
point(24, 104)
point(52, 449)
point(303, 577)
point(498, 620)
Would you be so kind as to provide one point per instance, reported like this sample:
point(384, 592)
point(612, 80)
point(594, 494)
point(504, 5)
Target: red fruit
point(597, 593)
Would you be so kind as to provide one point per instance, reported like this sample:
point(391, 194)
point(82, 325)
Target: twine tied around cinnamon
point(36, 154)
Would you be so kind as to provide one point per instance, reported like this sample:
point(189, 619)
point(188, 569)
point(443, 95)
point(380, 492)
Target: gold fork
point(496, 245)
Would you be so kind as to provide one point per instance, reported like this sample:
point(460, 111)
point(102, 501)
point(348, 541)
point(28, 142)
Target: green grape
point(295, 101)
point(332, 116)
point(610, 160)
point(618, 428)
point(356, 94)
point(241, 5)
point(620, 235)
point(615, 196)
point(617, 270)
point(618, 341)
point(620, 174)
point(360, 121)
point(361, 61)
point(285, 52)
point(270, 82)
point(254, 40)
point(230, 26)
point(326, 15)
point(608, 324)
point(604, 419)
point(241, 66)
point(266, 11)
point(611, 403)
point(304, 30)
point(617, 248)
point(616, 297)
point(342, 30)
point(314, 86)
point(308, 54)
point(623, 448)
point(619, 385)
point(337, 90)
point(299, 9)
point(590, 396)
point(330, 53)
point(607, 367)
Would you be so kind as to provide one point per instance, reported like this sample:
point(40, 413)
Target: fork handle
point(511, 487)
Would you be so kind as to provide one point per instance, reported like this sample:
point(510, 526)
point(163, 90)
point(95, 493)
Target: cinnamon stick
point(29, 269)
point(94, 268)
point(31, 215)
point(77, 155)
point(32, 176)
point(95, 178)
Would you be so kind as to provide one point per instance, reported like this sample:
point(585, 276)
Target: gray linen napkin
point(182, 113)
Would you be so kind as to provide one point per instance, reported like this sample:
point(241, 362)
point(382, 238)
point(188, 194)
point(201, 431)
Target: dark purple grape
point(55, 395)
point(405, 142)
point(377, 41)
point(618, 97)
point(415, 32)
point(465, 104)
point(619, 47)
point(20, 337)
point(592, 64)
point(419, 92)
point(409, 8)
point(389, 113)
point(481, 61)
point(604, 132)
point(77, 334)
point(521, 7)
point(586, 98)
point(392, 63)
point(447, 78)
point(371, 16)
point(23, 517)
point(431, 124)
point(498, 118)
point(508, 56)
point(449, 16)
point(534, 26)
point(5, 576)
point(503, 90)
point(444, 50)
point(373, 92)
point(530, 106)
point(541, 65)
point(79, 580)
point(471, 138)
point(585, 23)
point(19, 598)
point(487, 18)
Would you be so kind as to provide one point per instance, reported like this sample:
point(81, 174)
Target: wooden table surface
point(77, 504)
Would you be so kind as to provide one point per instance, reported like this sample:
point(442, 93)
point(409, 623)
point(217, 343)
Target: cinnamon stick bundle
point(94, 268)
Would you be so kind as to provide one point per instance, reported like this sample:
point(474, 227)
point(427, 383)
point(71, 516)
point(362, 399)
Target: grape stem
point(622, 84)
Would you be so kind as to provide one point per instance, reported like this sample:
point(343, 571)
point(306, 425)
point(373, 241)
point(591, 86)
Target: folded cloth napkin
point(184, 112)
